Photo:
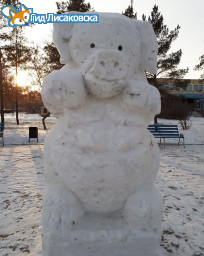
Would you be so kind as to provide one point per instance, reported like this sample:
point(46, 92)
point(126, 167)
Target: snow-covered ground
point(18, 135)
point(180, 179)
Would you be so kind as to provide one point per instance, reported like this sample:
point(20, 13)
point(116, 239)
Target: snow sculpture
point(100, 159)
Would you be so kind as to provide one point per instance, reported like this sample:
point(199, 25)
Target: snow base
point(96, 236)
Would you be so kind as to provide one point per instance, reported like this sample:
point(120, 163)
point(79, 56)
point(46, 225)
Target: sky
point(186, 13)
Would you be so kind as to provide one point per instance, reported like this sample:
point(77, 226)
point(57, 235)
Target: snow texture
point(180, 180)
point(100, 160)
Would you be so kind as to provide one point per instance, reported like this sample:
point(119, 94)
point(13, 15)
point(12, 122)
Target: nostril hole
point(116, 64)
point(102, 63)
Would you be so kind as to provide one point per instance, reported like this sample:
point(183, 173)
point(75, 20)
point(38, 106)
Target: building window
point(196, 88)
point(199, 104)
point(189, 88)
point(166, 86)
point(202, 104)
point(200, 87)
point(171, 86)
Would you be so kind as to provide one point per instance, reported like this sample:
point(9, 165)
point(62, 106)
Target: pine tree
point(14, 51)
point(2, 66)
point(38, 67)
point(129, 12)
point(200, 66)
point(44, 61)
point(73, 5)
point(167, 63)
point(53, 57)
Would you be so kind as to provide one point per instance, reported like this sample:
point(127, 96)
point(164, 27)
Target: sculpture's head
point(108, 52)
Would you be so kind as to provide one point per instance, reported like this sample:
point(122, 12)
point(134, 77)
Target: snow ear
point(149, 47)
point(61, 37)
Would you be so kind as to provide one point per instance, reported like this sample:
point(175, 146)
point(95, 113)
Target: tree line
point(16, 53)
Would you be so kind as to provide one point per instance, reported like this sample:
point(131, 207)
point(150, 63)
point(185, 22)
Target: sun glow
point(25, 80)
point(22, 79)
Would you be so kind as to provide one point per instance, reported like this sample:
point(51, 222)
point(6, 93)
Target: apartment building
point(193, 93)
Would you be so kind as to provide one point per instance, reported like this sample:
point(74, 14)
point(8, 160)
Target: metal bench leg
point(164, 142)
point(3, 141)
point(179, 142)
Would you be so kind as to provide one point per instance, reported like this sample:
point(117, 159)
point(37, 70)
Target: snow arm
point(63, 89)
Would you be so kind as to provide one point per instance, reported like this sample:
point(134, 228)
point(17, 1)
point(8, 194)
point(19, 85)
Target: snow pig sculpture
point(100, 159)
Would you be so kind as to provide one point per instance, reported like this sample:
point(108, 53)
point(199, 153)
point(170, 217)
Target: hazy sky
point(186, 13)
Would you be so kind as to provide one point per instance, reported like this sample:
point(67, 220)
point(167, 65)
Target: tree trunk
point(156, 85)
point(43, 120)
point(1, 90)
point(2, 103)
point(17, 119)
point(155, 119)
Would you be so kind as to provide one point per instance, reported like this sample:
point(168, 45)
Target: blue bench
point(2, 133)
point(162, 131)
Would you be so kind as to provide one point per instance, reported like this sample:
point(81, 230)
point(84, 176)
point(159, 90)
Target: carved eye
point(92, 45)
point(120, 47)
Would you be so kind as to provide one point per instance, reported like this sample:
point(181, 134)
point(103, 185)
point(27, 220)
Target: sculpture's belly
point(105, 137)
point(101, 174)
point(103, 182)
